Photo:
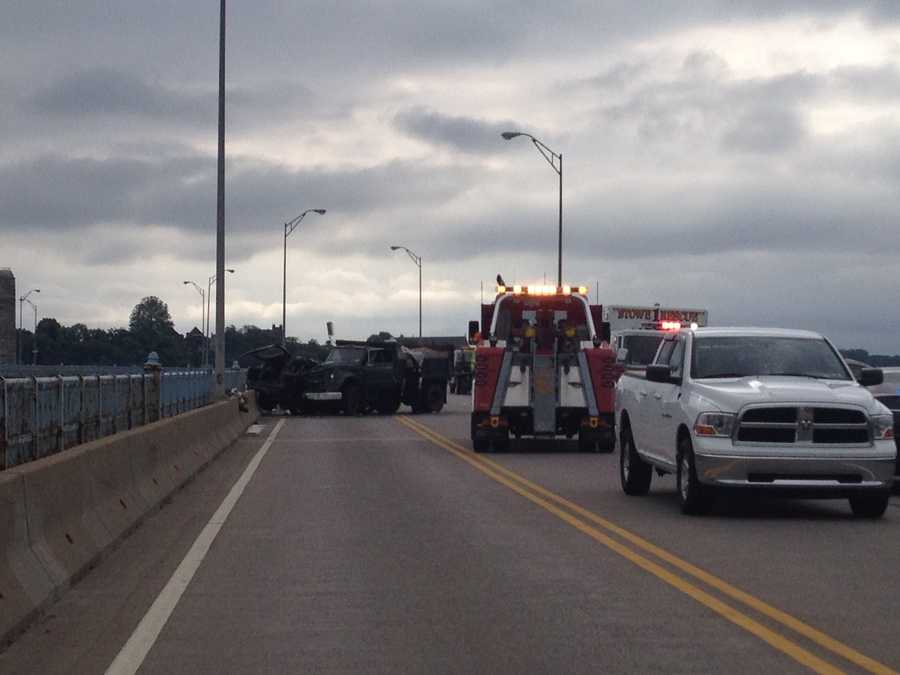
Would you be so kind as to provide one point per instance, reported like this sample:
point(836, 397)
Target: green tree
point(152, 327)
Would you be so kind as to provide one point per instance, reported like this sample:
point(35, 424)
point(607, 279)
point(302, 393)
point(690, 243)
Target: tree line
point(150, 329)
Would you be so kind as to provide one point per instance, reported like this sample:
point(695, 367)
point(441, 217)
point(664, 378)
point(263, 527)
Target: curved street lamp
point(555, 161)
point(212, 280)
point(23, 299)
point(289, 228)
point(418, 261)
point(202, 301)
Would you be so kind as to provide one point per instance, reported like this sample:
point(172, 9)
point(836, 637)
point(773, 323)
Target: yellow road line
point(501, 474)
point(817, 636)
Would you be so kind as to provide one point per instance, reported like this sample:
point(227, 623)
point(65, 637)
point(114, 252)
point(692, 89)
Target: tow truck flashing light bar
point(542, 290)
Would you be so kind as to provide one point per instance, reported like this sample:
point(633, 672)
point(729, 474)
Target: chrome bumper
point(795, 473)
point(323, 396)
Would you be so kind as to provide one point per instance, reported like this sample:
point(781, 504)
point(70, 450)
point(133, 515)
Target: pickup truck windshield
point(346, 355)
point(760, 356)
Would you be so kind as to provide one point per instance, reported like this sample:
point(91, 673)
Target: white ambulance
point(635, 331)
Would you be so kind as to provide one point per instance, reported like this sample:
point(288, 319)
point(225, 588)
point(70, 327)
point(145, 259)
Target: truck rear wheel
point(388, 404)
point(433, 397)
point(586, 442)
point(480, 441)
point(350, 399)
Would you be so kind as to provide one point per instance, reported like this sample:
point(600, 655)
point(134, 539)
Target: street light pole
point(289, 228)
point(202, 302)
point(555, 161)
point(209, 284)
point(417, 259)
point(220, 217)
point(34, 350)
point(22, 301)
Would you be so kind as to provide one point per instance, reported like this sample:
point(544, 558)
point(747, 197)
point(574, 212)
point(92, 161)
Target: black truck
point(355, 377)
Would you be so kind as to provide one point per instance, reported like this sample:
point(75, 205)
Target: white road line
point(144, 636)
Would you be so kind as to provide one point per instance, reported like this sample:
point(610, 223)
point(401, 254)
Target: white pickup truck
point(755, 408)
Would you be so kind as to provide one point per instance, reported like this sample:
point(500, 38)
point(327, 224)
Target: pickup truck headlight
point(714, 424)
point(883, 427)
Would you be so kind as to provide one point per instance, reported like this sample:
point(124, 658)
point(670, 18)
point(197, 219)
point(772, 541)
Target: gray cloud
point(179, 191)
point(462, 133)
point(685, 182)
point(765, 129)
point(104, 91)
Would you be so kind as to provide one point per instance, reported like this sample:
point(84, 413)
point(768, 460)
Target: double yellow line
point(599, 529)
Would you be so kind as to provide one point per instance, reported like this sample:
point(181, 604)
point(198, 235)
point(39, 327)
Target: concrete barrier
point(25, 585)
point(60, 514)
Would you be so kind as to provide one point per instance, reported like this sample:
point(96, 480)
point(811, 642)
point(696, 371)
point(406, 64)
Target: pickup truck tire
point(634, 473)
point(869, 506)
point(350, 400)
point(695, 498)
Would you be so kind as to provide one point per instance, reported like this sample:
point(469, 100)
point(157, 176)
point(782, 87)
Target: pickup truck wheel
point(869, 506)
point(695, 498)
point(634, 473)
point(350, 399)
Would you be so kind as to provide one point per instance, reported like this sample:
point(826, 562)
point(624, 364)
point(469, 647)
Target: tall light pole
point(212, 280)
point(555, 161)
point(417, 259)
point(220, 217)
point(289, 228)
point(202, 302)
point(22, 300)
point(34, 349)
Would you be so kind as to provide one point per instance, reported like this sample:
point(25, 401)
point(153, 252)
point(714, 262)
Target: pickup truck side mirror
point(661, 372)
point(869, 377)
point(473, 332)
point(622, 355)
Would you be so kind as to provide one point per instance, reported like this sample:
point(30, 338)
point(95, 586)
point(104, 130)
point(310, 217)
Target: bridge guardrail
point(43, 415)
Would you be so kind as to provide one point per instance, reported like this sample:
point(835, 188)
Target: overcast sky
point(742, 157)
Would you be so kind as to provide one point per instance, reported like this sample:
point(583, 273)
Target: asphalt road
point(381, 544)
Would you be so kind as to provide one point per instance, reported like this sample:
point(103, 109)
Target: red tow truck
point(543, 368)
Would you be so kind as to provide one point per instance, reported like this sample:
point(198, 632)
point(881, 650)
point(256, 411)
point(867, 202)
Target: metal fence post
point(4, 423)
point(60, 432)
point(35, 436)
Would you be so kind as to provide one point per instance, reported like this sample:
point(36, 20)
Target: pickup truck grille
point(816, 426)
